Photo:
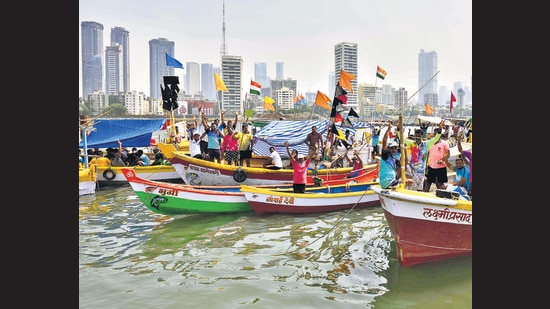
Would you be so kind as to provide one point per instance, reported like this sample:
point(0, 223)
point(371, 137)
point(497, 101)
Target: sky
point(300, 33)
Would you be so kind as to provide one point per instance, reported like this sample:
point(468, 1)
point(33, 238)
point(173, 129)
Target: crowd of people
point(426, 155)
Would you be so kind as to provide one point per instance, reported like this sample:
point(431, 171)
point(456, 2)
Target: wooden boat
point(202, 172)
point(427, 226)
point(326, 199)
point(112, 175)
point(87, 180)
point(176, 199)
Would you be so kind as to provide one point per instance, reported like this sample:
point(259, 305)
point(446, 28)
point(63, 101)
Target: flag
point(172, 62)
point(336, 115)
point(429, 110)
point(220, 85)
point(339, 102)
point(345, 80)
point(380, 72)
point(268, 103)
point(339, 91)
point(347, 123)
point(322, 100)
point(255, 87)
point(352, 113)
point(337, 133)
point(453, 99)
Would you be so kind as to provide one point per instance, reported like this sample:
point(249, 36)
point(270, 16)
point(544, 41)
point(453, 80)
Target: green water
point(130, 257)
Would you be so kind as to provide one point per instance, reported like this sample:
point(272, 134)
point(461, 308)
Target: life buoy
point(109, 174)
point(239, 175)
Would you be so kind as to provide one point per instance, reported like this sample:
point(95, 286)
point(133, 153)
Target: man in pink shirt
point(437, 170)
point(300, 170)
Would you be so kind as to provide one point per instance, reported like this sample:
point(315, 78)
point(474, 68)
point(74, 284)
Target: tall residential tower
point(92, 57)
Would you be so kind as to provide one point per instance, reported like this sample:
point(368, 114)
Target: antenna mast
point(223, 48)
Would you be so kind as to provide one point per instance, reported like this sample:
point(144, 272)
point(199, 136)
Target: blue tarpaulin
point(131, 132)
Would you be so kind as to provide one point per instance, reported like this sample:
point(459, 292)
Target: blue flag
point(173, 62)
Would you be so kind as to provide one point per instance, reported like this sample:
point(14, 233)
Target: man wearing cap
point(418, 155)
point(299, 165)
point(389, 172)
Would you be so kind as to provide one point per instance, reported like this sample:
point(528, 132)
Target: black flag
point(352, 113)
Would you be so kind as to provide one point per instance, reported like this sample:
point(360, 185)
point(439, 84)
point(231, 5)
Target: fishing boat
point(177, 199)
point(323, 199)
point(427, 226)
point(131, 133)
point(195, 171)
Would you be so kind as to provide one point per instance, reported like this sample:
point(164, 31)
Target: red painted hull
point(426, 228)
point(418, 242)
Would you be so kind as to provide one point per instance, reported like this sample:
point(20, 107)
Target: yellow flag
point(345, 80)
point(220, 85)
point(322, 100)
point(268, 103)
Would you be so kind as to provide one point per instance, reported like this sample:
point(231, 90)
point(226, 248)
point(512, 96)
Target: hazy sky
point(300, 33)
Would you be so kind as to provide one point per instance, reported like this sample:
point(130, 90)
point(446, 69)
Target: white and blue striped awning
point(276, 133)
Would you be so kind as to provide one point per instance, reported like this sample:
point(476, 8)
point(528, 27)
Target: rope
point(331, 229)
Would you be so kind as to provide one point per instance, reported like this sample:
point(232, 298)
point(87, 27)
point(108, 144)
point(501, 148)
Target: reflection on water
point(131, 257)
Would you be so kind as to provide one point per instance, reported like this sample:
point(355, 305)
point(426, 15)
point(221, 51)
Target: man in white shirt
point(274, 161)
point(195, 146)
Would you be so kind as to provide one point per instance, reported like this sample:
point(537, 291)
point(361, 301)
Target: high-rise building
point(121, 37)
point(208, 85)
point(279, 70)
point(157, 65)
point(291, 86)
point(193, 79)
point(92, 57)
point(331, 84)
point(260, 73)
point(232, 70)
point(427, 68)
point(345, 58)
point(113, 69)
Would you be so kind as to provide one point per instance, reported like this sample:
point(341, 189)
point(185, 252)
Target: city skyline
point(303, 37)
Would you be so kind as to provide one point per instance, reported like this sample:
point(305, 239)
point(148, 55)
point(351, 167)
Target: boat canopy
point(276, 133)
point(131, 132)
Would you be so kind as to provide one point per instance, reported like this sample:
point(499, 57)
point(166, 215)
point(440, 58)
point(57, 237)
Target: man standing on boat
point(245, 145)
point(314, 141)
point(299, 165)
point(214, 143)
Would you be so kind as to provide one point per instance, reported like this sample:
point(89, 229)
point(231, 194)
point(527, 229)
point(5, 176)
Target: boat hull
point(427, 228)
point(264, 201)
point(200, 172)
point(107, 176)
point(87, 181)
point(173, 199)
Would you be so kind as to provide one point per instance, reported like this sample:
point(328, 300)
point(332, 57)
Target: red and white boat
point(427, 226)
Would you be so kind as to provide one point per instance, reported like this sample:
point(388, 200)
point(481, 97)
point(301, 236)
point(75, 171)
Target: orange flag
point(322, 100)
point(345, 80)
point(220, 85)
point(268, 103)
point(428, 108)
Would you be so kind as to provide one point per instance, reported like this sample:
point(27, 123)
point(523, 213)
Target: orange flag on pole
point(323, 100)
point(429, 110)
point(345, 80)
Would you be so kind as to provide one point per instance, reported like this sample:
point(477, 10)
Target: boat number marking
point(204, 169)
point(447, 214)
point(280, 200)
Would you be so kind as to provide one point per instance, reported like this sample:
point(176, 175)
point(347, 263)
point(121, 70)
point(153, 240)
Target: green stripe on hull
point(169, 205)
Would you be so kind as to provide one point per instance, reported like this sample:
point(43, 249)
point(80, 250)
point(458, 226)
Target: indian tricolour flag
point(380, 72)
point(255, 87)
